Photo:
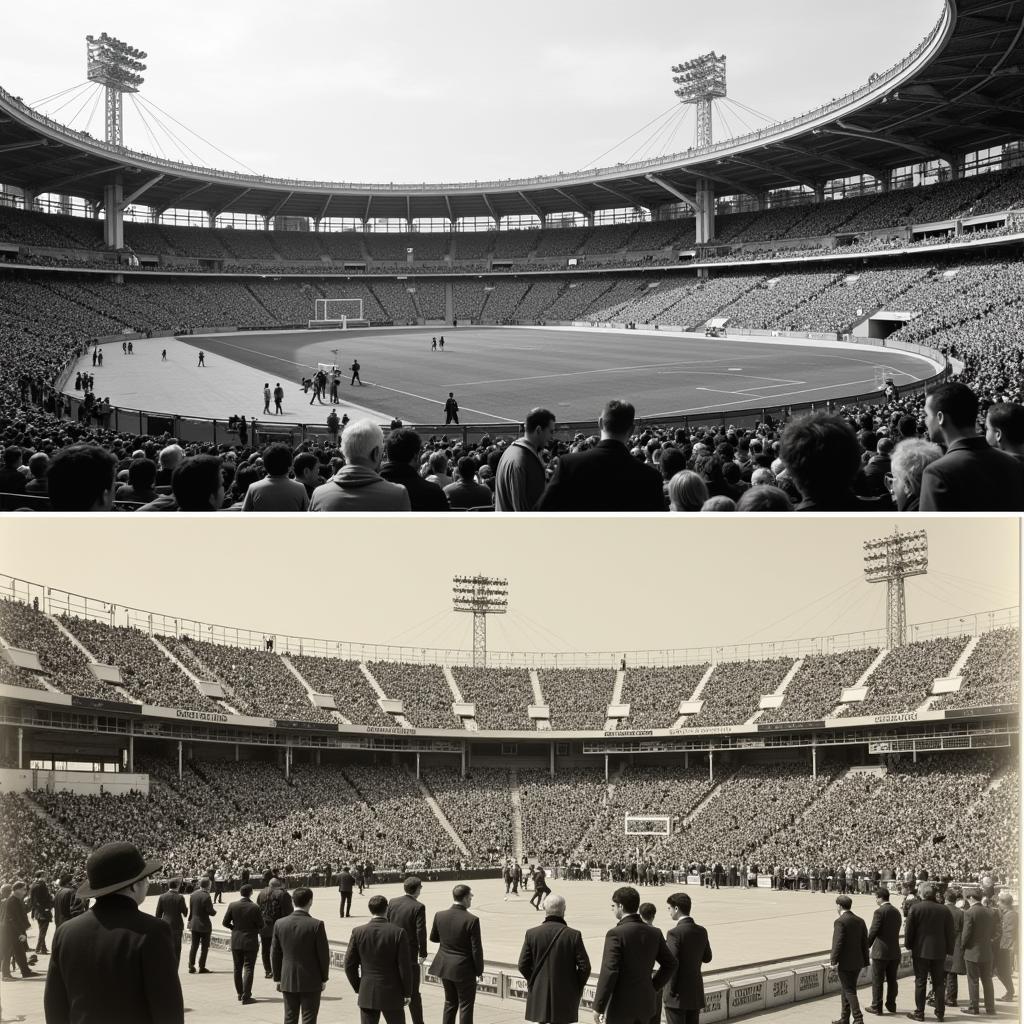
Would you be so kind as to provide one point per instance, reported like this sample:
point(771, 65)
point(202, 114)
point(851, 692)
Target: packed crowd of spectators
point(814, 691)
point(501, 695)
point(653, 694)
point(558, 811)
point(146, 672)
point(343, 679)
point(423, 689)
point(991, 674)
point(732, 693)
point(577, 697)
point(478, 806)
point(30, 841)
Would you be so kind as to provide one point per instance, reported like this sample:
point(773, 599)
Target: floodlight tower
point(891, 560)
point(483, 596)
point(116, 66)
point(699, 81)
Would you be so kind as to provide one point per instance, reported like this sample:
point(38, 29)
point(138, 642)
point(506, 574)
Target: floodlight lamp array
point(701, 78)
point(114, 63)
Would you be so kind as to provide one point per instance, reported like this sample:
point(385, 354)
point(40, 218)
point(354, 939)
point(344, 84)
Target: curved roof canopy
point(961, 90)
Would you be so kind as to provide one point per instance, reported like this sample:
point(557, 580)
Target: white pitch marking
point(435, 401)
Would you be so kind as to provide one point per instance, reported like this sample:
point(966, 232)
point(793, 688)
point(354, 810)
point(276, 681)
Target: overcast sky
point(598, 584)
point(450, 90)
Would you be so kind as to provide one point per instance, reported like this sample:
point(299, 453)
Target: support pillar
point(551, 760)
point(21, 746)
point(711, 764)
point(605, 767)
point(179, 760)
point(462, 770)
point(590, 219)
point(686, 759)
point(819, 192)
point(814, 760)
point(956, 166)
point(288, 761)
point(236, 752)
point(705, 212)
point(113, 214)
point(131, 747)
point(417, 765)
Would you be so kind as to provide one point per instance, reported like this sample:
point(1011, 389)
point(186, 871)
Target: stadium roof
point(960, 90)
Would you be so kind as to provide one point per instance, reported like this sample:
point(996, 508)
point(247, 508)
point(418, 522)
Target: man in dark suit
point(556, 967)
point(346, 883)
point(411, 916)
point(1006, 945)
point(170, 907)
point(928, 934)
point(301, 960)
point(379, 967)
point(66, 903)
point(625, 988)
point(884, 940)
point(688, 943)
point(114, 964)
point(955, 965)
point(274, 903)
point(979, 926)
point(41, 903)
point(606, 478)
point(200, 910)
point(540, 888)
point(849, 955)
point(460, 960)
point(403, 449)
point(244, 919)
point(14, 932)
point(972, 476)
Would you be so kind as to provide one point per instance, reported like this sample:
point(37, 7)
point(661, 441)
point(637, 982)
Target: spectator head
point(554, 906)
point(625, 900)
point(306, 467)
point(844, 903)
point(245, 891)
point(204, 883)
point(679, 901)
point(950, 412)
point(245, 477)
point(822, 455)
point(275, 882)
point(198, 485)
point(885, 446)
point(672, 461)
point(540, 427)
point(174, 884)
point(38, 464)
point(12, 457)
point(906, 426)
point(909, 460)
point(142, 475)
point(403, 447)
point(973, 894)
point(438, 464)
point(377, 905)
point(926, 891)
point(1005, 898)
point(412, 885)
point(462, 894)
point(302, 896)
point(882, 894)
point(764, 498)
point(762, 477)
point(467, 468)
point(687, 491)
point(616, 423)
point(81, 479)
point(277, 459)
point(1004, 427)
point(647, 912)
point(719, 503)
point(171, 457)
point(952, 895)
point(362, 443)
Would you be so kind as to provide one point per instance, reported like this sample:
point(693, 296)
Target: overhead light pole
point(116, 66)
point(698, 82)
point(891, 560)
point(480, 596)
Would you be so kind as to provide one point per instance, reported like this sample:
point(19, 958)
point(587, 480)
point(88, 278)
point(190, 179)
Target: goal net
point(341, 313)
point(648, 825)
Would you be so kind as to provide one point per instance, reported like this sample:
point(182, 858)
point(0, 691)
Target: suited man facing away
point(245, 921)
point(955, 965)
point(606, 478)
point(884, 943)
point(928, 934)
point(460, 960)
point(849, 955)
point(171, 908)
point(114, 963)
point(200, 910)
point(556, 967)
point(411, 916)
point(979, 928)
point(625, 988)
point(379, 967)
point(300, 959)
point(346, 883)
point(688, 943)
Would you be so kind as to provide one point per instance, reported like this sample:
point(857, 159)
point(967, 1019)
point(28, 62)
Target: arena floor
point(497, 374)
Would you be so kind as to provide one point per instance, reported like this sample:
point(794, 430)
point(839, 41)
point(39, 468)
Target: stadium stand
point(991, 674)
point(578, 697)
point(732, 693)
point(653, 694)
point(423, 689)
point(345, 682)
point(814, 691)
point(501, 695)
point(557, 812)
point(479, 806)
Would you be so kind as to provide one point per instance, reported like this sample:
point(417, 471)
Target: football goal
point(343, 313)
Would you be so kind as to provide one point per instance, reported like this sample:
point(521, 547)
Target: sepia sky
point(449, 90)
point(597, 584)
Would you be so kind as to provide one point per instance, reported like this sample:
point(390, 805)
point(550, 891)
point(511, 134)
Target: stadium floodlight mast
point(116, 66)
point(891, 560)
point(481, 596)
point(699, 81)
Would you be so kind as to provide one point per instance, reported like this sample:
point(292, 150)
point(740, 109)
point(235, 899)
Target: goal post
point(648, 825)
point(337, 313)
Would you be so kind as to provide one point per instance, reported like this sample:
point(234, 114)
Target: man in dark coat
point(245, 921)
point(606, 478)
point(849, 955)
point(460, 960)
point(378, 966)
point(66, 903)
point(688, 943)
point(556, 967)
point(114, 964)
point(41, 903)
point(411, 916)
point(301, 959)
point(403, 449)
point(170, 907)
point(979, 926)
point(884, 940)
point(540, 888)
point(928, 934)
point(200, 910)
point(1005, 947)
point(14, 932)
point(955, 965)
point(346, 883)
point(625, 988)
point(274, 903)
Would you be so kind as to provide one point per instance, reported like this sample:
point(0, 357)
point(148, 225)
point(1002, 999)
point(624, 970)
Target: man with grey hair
point(358, 486)
point(556, 967)
point(762, 477)
point(909, 459)
point(169, 459)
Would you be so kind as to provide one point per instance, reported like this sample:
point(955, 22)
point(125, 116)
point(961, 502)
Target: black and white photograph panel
point(774, 248)
point(488, 763)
